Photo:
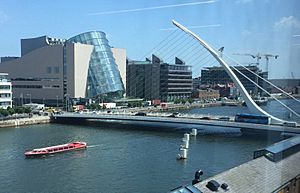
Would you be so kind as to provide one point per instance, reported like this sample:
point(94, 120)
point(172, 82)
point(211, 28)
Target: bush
point(93, 106)
point(177, 101)
point(27, 109)
point(4, 112)
point(190, 100)
point(19, 110)
point(10, 110)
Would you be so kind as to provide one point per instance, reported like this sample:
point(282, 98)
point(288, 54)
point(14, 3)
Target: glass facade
point(104, 78)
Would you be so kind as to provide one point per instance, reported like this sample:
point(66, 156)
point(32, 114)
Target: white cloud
point(243, 1)
point(193, 27)
point(152, 8)
point(3, 17)
point(246, 32)
point(287, 22)
point(296, 35)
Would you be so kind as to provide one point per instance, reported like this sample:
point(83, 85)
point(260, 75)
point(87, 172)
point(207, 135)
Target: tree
point(177, 101)
point(4, 112)
point(190, 100)
point(19, 110)
point(27, 110)
point(10, 110)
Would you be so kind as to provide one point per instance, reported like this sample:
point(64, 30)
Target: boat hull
point(55, 149)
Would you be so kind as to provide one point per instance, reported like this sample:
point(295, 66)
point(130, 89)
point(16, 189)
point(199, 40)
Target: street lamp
point(21, 99)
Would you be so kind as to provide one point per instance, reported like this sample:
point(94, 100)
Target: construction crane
point(259, 56)
point(268, 56)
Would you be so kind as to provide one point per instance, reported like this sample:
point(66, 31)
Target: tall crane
point(259, 56)
point(268, 56)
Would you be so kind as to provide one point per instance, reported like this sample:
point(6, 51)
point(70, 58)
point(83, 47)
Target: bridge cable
point(291, 110)
point(264, 79)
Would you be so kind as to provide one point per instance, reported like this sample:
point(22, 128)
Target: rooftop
point(259, 175)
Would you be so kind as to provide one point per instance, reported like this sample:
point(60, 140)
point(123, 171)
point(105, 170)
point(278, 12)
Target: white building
point(5, 91)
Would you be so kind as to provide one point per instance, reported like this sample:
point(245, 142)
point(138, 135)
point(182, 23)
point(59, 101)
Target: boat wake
point(91, 146)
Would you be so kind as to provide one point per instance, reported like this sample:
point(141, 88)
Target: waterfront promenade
point(24, 121)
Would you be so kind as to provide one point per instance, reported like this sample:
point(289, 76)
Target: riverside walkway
point(188, 121)
point(24, 121)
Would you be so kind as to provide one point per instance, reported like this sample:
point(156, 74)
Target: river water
point(273, 107)
point(117, 160)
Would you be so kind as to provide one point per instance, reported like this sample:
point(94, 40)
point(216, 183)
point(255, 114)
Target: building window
point(4, 95)
point(27, 86)
point(49, 70)
point(4, 87)
point(56, 69)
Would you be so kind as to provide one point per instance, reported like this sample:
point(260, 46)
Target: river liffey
point(272, 107)
point(118, 160)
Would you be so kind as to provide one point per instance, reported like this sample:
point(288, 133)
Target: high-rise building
point(154, 79)
point(51, 70)
point(217, 75)
point(5, 91)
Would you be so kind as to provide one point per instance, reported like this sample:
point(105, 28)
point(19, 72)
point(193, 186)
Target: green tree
point(10, 110)
point(4, 112)
point(190, 100)
point(27, 109)
point(177, 101)
point(19, 110)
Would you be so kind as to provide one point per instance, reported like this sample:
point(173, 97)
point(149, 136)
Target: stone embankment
point(25, 121)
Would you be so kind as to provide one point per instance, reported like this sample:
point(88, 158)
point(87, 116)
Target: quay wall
point(25, 121)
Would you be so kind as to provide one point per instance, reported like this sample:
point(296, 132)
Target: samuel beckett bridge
point(186, 45)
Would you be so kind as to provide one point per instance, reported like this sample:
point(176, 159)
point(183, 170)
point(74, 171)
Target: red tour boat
point(56, 149)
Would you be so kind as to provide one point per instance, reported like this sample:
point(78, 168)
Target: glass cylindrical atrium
point(104, 78)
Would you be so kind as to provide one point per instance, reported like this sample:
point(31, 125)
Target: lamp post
point(21, 99)
point(67, 101)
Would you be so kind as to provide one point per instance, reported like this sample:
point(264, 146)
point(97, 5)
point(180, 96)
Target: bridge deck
point(227, 124)
point(258, 175)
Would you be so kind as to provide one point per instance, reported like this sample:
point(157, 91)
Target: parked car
point(205, 118)
point(174, 114)
point(224, 118)
point(140, 114)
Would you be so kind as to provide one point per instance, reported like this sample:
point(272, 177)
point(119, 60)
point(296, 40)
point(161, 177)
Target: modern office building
point(103, 73)
point(196, 83)
point(288, 85)
point(5, 91)
point(154, 79)
point(51, 70)
point(217, 75)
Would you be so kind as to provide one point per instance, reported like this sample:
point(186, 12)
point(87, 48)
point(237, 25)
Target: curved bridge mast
point(253, 107)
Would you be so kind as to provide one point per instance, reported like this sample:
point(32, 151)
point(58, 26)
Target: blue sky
point(242, 26)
